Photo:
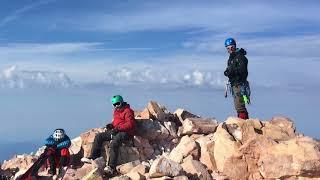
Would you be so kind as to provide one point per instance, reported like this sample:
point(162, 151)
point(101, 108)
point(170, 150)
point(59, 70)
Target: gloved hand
point(226, 72)
point(114, 131)
point(50, 150)
point(109, 126)
point(229, 72)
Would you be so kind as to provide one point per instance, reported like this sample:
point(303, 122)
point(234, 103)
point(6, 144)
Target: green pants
point(239, 104)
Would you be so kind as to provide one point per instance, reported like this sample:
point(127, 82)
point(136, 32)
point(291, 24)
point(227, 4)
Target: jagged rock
point(284, 123)
point(206, 143)
point(141, 168)
point(181, 178)
point(165, 146)
point(10, 173)
point(279, 129)
point(87, 140)
point(75, 147)
point(79, 173)
point(188, 158)
point(125, 153)
point(298, 156)
point(242, 130)
point(76, 151)
point(151, 130)
point(122, 177)
point(251, 151)
point(236, 168)
point(161, 178)
point(195, 170)
point(145, 114)
point(186, 147)
point(39, 151)
point(95, 174)
point(183, 114)
point(224, 147)
point(217, 176)
point(127, 167)
point(99, 163)
point(171, 127)
point(165, 167)
point(155, 111)
point(19, 161)
point(135, 176)
point(256, 123)
point(197, 126)
point(144, 147)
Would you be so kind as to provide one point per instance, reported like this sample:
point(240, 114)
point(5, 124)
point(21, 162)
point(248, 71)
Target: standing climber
point(237, 72)
point(121, 129)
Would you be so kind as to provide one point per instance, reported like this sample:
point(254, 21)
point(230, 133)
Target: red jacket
point(123, 120)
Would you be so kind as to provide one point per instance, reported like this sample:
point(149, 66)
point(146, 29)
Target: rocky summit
point(182, 145)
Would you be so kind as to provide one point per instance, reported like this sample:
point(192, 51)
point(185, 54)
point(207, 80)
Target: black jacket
point(237, 70)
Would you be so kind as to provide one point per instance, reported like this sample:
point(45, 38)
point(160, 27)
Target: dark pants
point(117, 140)
point(59, 157)
point(239, 103)
point(55, 157)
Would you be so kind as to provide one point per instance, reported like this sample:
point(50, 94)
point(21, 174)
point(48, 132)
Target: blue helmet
point(229, 41)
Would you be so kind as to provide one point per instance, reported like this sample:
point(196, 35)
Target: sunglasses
point(117, 104)
point(230, 47)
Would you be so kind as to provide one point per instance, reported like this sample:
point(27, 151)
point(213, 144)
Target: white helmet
point(58, 134)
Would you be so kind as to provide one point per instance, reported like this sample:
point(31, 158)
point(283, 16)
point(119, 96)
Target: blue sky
point(165, 50)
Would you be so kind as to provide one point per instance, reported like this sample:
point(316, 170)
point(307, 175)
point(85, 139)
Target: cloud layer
point(15, 78)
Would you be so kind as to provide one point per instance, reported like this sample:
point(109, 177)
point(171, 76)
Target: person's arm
point(66, 143)
point(50, 141)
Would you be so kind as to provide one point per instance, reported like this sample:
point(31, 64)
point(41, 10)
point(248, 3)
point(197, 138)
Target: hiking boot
point(86, 160)
point(243, 115)
point(99, 163)
point(62, 170)
point(110, 171)
point(52, 172)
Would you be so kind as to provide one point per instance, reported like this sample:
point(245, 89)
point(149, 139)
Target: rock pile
point(183, 146)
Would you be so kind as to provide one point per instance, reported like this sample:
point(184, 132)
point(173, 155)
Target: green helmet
point(117, 98)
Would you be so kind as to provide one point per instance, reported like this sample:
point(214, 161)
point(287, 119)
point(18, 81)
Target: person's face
point(117, 105)
point(231, 49)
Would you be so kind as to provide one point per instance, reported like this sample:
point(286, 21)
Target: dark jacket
point(123, 119)
point(63, 143)
point(237, 70)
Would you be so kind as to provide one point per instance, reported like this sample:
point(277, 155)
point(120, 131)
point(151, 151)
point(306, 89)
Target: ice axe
point(226, 90)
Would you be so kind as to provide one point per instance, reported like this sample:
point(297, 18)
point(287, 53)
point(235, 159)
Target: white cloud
point(19, 12)
point(49, 48)
point(12, 77)
point(221, 17)
point(159, 76)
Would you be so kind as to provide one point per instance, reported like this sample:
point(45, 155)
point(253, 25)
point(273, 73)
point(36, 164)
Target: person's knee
point(115, 143)
point(98, 138)
point(65, 152)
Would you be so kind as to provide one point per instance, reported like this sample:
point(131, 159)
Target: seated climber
point(58, 144)
point(121, 129)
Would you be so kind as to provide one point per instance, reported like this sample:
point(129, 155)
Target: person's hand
point(50, 150)
point(114, 131)
point(226, 72)
point(109, 126)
